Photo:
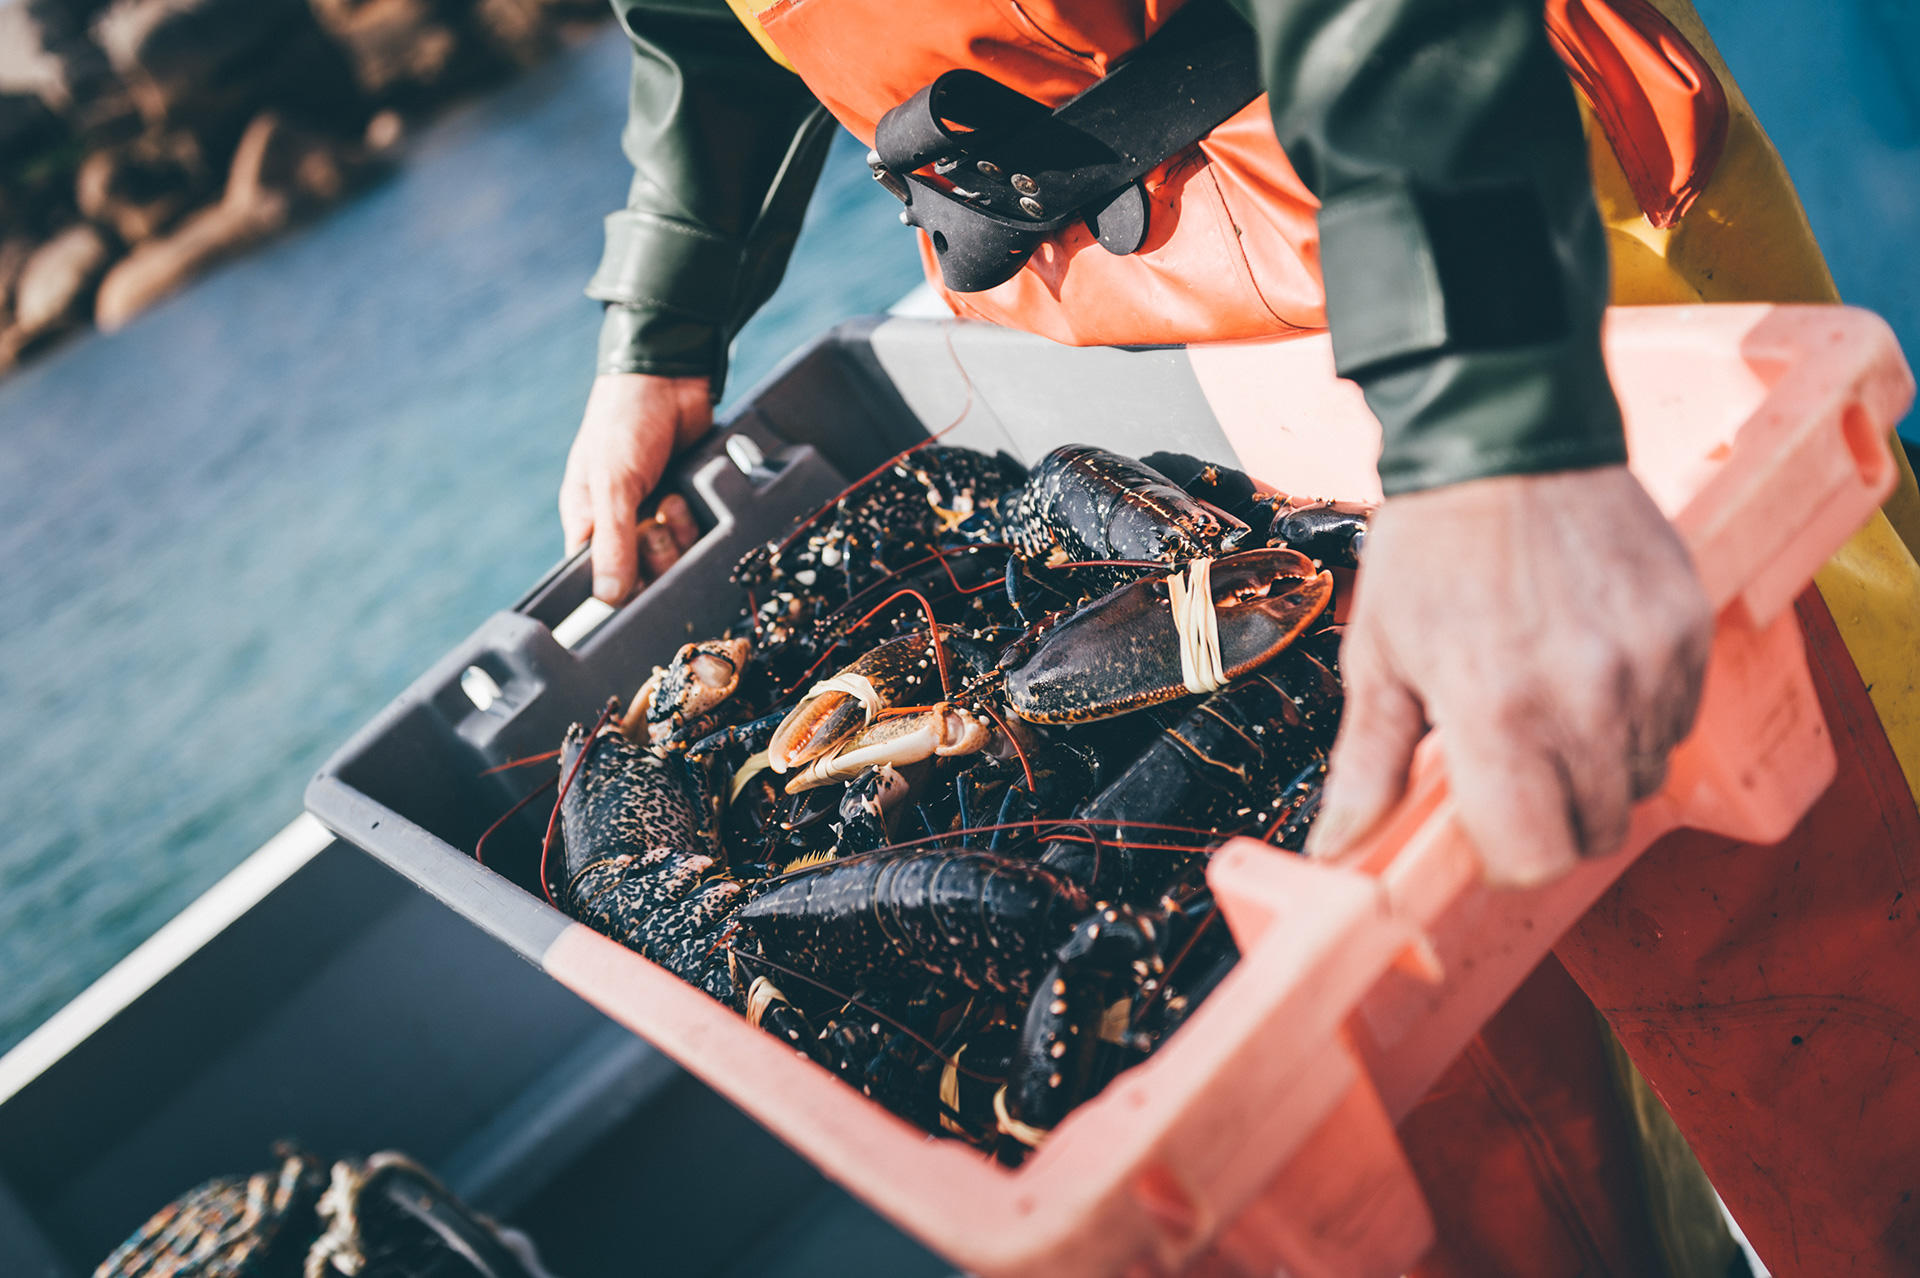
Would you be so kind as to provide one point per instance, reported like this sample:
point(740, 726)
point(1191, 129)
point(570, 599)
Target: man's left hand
point(1552, 632)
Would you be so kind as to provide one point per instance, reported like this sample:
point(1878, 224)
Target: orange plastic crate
point(1261, 1135)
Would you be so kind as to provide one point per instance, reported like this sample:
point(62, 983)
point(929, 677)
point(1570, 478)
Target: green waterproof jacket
point(1464, 260)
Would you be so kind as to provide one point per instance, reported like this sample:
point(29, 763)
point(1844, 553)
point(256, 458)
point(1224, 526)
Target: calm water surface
point(233, 531)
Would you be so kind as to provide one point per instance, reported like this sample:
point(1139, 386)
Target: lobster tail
point(977, 918)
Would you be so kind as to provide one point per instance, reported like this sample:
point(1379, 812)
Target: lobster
point(1084, 504)
point(1258, 735)
point(640, 864)
point(981, 922)
point(746, 824)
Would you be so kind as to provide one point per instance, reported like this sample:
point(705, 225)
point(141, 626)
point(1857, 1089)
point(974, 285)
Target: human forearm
point(725, 146)
point(1465, 265)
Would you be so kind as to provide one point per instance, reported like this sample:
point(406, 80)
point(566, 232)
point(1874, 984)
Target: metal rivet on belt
point(988, 167)
point(1032, 207)
point(1024, 184)
point(944, 167)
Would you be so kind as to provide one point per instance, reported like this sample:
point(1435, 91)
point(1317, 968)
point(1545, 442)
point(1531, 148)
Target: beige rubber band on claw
point(1010, 1126)
point(761, 995)
point(1195, 621)
point(950, 1093)
point(857, 686)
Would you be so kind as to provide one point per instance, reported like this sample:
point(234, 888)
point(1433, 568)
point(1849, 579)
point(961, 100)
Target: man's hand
point(1551, 630)
point(632, 425)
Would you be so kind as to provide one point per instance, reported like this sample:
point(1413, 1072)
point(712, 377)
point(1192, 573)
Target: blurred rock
point(27, 127)
point(60, 29)
point(516, 28)
point(14, 252)
point(527, 31)
point(281, 172)
point(121, 119)
point(209, 66)
point(57, 281)
point(405, 50)
point(142, 186)
point(384, 132)
point(27, 66)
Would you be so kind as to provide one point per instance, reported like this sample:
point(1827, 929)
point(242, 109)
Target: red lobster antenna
point(479, 848)
point(933, 632)
point(966, 407)
point(553, 819)
point(511, 764)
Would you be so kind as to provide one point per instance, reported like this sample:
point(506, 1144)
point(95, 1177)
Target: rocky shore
point(143, 140)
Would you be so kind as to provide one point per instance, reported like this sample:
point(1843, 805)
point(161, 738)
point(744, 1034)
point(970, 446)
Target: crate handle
point(1426, 863)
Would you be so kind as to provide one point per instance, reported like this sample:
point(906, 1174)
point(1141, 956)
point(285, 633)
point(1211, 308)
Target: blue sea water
point(1837, 87)
point(234, 530)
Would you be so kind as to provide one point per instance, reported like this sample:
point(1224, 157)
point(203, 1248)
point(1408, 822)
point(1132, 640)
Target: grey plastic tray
point(413, 787)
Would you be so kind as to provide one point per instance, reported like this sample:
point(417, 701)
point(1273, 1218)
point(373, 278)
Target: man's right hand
point(634, 422)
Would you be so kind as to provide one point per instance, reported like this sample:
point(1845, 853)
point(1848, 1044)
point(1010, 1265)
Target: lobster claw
point(902, 671)
point(1125, 651)
point(941, 730)
point(700, 677)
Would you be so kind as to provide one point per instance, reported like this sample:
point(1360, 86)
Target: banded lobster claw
point(896, 741)
point(1164, 637)
point(904, 671)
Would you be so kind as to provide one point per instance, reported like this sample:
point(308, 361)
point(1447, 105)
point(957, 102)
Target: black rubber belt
point(1007, 171)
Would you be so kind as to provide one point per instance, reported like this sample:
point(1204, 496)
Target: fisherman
point(1421, 178)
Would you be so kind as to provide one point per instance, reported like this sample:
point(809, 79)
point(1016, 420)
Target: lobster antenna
point(511, 764)
point(1099, 849)
point(480, 847)
point(938, 556)
point(933, 629)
